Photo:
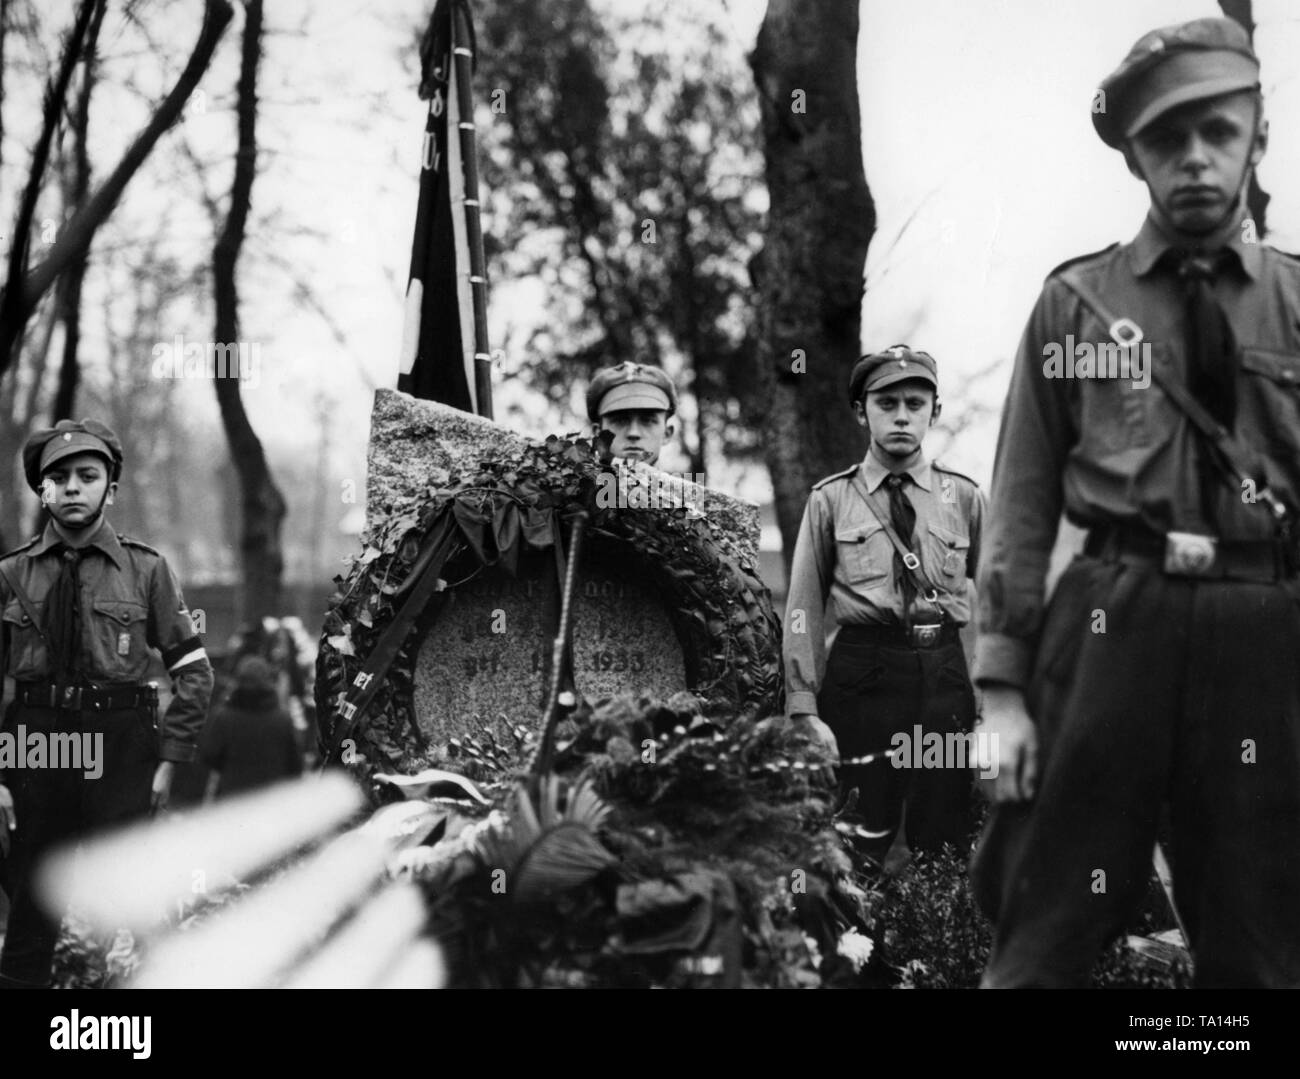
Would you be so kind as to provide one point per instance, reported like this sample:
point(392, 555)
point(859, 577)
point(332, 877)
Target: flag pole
point(462, 41)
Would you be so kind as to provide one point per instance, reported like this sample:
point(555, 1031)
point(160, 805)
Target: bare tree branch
point(23, 292)
point(15, 304)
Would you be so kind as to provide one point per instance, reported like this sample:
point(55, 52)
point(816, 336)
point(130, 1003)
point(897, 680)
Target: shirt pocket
point(28, 660)
point(946, 552)
point(118, 640)
point(863, 552)
point(1270, 400)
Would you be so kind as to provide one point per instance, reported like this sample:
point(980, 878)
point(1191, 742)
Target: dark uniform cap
point(628, 386)
point(65, 438)
point(897, 363)
point(1170, 67)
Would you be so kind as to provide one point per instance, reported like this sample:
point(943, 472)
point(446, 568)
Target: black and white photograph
point(585, 494)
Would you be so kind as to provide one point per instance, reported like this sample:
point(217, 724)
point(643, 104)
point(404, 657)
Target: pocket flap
point(949, 537)
point(15, 614)
point(1283, 367)
point(121, 611)
point(857, 533)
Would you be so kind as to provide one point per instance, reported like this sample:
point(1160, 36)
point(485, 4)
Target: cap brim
point(72, 449)
point(1183, 95)
point(634, 395)
point(892, 378)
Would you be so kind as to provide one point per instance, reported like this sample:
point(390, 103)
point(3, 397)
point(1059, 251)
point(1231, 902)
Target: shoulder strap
point(948, 471)
point(924, 585)
point(1235, 460)
point(848, 472)
point(24, 601)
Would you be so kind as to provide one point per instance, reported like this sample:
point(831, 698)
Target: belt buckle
point(1190, 554)
point(925, 636)
point(71, 698)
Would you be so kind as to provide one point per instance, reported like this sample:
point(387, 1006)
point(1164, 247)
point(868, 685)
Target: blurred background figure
point(290, 651)
point(250, 741)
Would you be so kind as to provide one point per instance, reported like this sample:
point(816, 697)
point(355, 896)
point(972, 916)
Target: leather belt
point(898, 636)
point(1261, 561)
point(75, 698)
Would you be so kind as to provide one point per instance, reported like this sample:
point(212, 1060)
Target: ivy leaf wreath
point(720, 611)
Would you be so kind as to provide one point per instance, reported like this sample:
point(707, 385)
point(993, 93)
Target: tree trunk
point(809, 275)
point(68, 290)
point(262, 505)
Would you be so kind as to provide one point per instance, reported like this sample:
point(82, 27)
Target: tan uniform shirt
point(843, 551)
point(1109, 451)
point(130, 603)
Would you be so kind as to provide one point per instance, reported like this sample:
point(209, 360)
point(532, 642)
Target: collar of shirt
point(1152, 242)
point(874, 472)
point(104, 539)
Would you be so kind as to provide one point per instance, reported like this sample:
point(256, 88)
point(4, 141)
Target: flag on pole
point(445, 355)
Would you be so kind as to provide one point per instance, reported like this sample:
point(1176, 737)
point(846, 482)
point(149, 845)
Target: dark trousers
point(58, 806)
point(873, 691)
point(1191, 697)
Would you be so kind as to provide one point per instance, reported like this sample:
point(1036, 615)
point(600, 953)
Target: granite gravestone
point(487, 654)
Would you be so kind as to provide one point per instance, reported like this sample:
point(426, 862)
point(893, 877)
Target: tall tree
point(262, 505)
point(77, 185)
point(821, 220)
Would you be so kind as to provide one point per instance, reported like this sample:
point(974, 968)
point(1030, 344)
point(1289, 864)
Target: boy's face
point(898, 416)
point(75, 487)
point(1193, 159)
point(639, 433)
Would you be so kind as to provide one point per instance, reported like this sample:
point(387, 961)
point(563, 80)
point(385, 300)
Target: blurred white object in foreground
point(333, 918)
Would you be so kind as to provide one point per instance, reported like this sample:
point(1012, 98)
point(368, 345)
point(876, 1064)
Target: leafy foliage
point(621, 173)
point(685, 850)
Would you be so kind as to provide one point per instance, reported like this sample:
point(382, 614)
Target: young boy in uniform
point(83, 607)
point(891, 542)
point(636, 402)
point(1163, 672)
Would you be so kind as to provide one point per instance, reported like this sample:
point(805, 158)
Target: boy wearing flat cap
point(636, 402)
point(83, 607)
point(1162, 675)
point(890, 543)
